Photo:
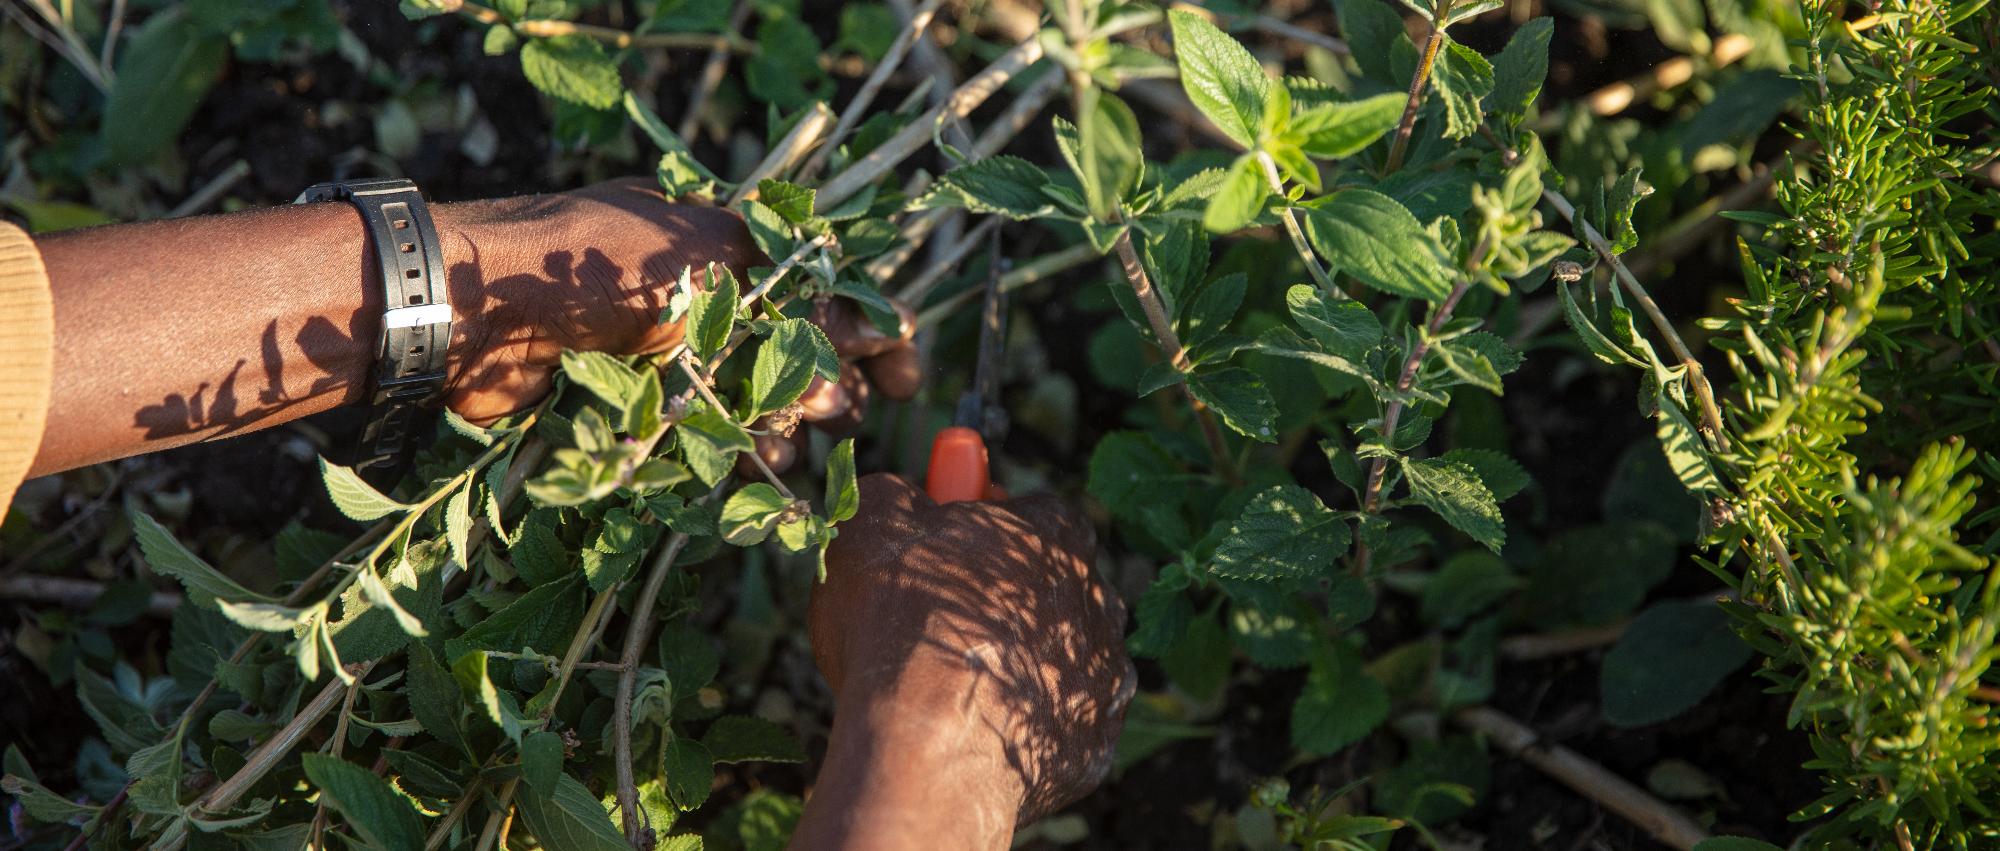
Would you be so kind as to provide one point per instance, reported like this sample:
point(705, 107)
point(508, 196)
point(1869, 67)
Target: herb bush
point(1309, 313)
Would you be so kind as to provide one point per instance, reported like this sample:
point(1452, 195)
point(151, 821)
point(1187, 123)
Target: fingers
point(897, 372)
point(888, 361)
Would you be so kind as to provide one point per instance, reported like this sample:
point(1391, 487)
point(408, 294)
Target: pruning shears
point(959, 470)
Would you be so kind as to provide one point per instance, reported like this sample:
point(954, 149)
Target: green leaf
point(1129, 471)
point(1240, 199)
point(1467, 585)
point(1339, 704)
point(434, 697)
point(573, 68)
point(688, 655)
point(43, 805)
point(541, 619)
point(1373, 31)
point(751, 513)
point(541, 760)
point(1686, 455)
point(165, 555)
point(1241, 399)
point(999, 185)
point(1502, 475)
point(1162, 614)
point(1346, 328)
point(1453, 490)
point(1587, 330)
point(500, 707)
point(354, 497)
point(374, 810)
point(1283, 532)
point(1671, 657)
point(792, 202)
point(786, 363)
point(265, 617)
point(606, 376)
point(709, 441)
point(568, 817)
point(713, 314)
point(1337, 130)
point(1220, 76)
point(689, 770)
point(1199, 662)
point(377, 594)
point(1462, 78)
point(165, 68)
point(1519, 69)
point(843, 495)
point(1109, 154)
point(1368, 235)
point(1569, 584)
point(745, 738)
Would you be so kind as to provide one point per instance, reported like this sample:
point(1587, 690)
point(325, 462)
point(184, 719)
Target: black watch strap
point(416, 322)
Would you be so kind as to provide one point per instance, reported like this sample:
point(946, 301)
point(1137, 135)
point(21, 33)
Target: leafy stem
point(1298, 234)
point(1401, 143)
point(1170, 345)
point(621, 707)
point(701, 386)
point(544, 28)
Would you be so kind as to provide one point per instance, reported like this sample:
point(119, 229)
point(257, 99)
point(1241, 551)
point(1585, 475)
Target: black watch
point(416, 324)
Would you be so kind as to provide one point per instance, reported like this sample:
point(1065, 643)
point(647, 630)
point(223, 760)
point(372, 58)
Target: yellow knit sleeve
point(27, 357)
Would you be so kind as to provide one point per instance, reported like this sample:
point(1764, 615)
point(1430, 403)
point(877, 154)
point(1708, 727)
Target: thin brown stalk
point(948, 262)
point(1038, 269)
point(1401, 142)
point(621, 708)
point(856, 108)
point(267, 755)
point(712, 70)
point(1170, 345)
point(1593, 781)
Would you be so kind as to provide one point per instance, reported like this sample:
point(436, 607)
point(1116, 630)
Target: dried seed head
point(785, 420)
point(1566, 271)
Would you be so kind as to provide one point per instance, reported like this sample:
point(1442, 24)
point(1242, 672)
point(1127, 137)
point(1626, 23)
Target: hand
point(977, 624)
point(591, 270)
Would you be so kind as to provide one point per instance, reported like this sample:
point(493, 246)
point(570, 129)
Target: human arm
point(978, 671)
point(176, 331)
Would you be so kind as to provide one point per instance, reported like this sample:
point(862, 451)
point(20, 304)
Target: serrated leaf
point(607, 377)
point(792, 202)
point(712, 314)
point(377, 594)
point(1162, 614)
point(1346, 328)
point(1519, 69)
point(843, 494)
point(374, 810)
point(1240, 398)
point(542, 619)
point(999, 185)
point(1221, 77)
point(1283, 532)
point(1339, 704)
point(1465, 586)
point(164, 554)
point(745, 738)
point(689, 771)
point(1461, 79)
point(751, 513)
point(1686, 455)
point(1109, 155)
point(689, 657)
point(434, 697)
point(1129, 470)
point(1593, 339)
point(709, 441)
point(541, 760)
point(1240, 198)
point(264, 617)
point(355, 498)
point(1453, 490)
point(786, 363)
point(1338, 130)
point(573, 68)
point(1368, 235)
point(569, 817)
point(1502, 475)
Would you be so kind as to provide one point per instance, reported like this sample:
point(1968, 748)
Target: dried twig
point(1593, 781)
point(712, 70)
point(948, 262)
point(809, 131)
point(858, 106)
point(75, 593)
point(1038, 269)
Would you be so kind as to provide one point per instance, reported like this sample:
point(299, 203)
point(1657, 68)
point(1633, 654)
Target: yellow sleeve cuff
point(27, 357)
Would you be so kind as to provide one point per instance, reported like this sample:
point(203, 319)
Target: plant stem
point(543, 28)
point(1408, 123)
point(1170, 344)
point(872, 86)
point(1594, 781)
point(701, 382)
point(1033, 271)
point(962, 102)
point(1394, 411)
point(712, 70)
point(916, 290)
point(266, 756)
point(1297, 233)
point(621, 707)
point(809, 131)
